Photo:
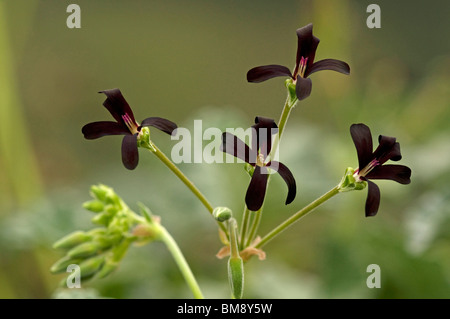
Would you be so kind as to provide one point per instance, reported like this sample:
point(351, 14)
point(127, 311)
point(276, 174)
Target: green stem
point(245, 220)
point(254, 228)
point(181, 262)
point(155, 150)
point(288, 222)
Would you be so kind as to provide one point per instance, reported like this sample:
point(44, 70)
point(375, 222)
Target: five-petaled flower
point(304, 65)
point(125, 125)
point(371, 163)
point(256, 156)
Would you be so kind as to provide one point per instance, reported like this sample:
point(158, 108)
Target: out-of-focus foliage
point(188, 61)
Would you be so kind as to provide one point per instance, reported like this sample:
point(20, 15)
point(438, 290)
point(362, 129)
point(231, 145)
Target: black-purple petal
point(386, 149)
point(266, 72)
point(303, 88)
point(288, 178)
point(160, 123)
point(98, 129)
point(362, 138)
point(398, 173)
point(256, 191)
point(130, 155)
point(373, 199)
point(117, 105)
point(264, 128)
point(306, 46)
point(231, 144)
point(328, 64)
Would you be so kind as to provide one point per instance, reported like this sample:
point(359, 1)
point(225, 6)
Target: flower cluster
point(99, 251)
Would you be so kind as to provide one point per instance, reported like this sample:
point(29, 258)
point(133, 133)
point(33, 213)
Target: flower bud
point(94, 206)
point(99, 191)
point(72, 240)
point(101, 219)
point(84, 250)
point(62, 264)
point(236, 276)
point(107, 268)
point(91, 266)
point(222, 214)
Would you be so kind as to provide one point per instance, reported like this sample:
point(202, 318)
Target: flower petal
point(306, 46)
point(130, 155)
point(289, 179)
point(303, 88)
point(398, 173)
point(264, 128)
point(387, 149)
point(98, 129)
point(117, 105)
point(256, 191)
point(362, 138)
point(266, 72)
point(373, 199)
point(160, 123)
point(328, 64)
point(231, 144)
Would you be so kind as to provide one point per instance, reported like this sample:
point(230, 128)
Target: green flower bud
point(101, 219)
point(72, 240)
point(94, 206)
point(236, 276)
point(249, 169)
point(62, 264)
point(91, 266)
point(222, 214)
point(107, 268)
point(84, 250)
point(99, 191)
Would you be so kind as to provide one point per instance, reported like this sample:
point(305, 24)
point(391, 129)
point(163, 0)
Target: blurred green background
point(187, 60)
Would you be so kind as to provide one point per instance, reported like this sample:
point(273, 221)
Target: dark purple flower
point(304, 65)
point(371, 163)
point(125, 125)
point(256, 157)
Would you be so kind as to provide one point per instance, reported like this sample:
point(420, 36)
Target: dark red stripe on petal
point(288, 178)
point(398, 173)
point(266, 72)
point(236, 147)
point(303, 88)
point(362, 138)
point(117, 105)
point(98, 129)
point(256, 191)
point(329, 64)
point(373, 199)
point(130, 155)
point(160, 123)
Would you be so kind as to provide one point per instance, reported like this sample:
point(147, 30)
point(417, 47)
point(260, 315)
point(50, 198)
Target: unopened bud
point(62, 264)
point(94, 206)
point(107, 269)
point(84, 250)
point(72, 240)
point(222, 214)
point(91, 266)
